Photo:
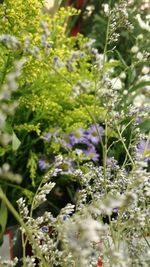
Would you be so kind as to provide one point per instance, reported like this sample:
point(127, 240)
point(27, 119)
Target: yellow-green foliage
point(29, 128)
point(20, 18)
point(45, 90)
point(32, 166)
point(23, 20)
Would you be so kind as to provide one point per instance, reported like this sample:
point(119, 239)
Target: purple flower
point(48, 136)
point(66, 166)
point(91, 153)
point(43, 165)
point(78, 137)
point(138, 120)
point(66, 143)
point(142, 147)
point(94, 133)
point(45, 229)
point(66, 217)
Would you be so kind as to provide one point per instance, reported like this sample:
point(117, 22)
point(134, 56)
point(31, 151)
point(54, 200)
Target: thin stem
point(104, 145)
point(10, 207)
point(124, 145)
point(62, 76)
point(33, 200)
point(15, 186)
point(127, 125)
point(107, 33)
point(105, 156)
point(146, 241)
point(113, 143)
point(24, 242)
point(130, 143)
point(4, 72)
point(146, 146)
point(80, 100)
point(23, 225)
point(93, 119)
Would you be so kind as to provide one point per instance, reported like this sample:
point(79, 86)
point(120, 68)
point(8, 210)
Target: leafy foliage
point(75, 125)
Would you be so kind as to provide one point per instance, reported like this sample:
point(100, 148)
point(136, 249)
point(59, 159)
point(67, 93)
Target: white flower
point(145, 78)
point(49, 4)
point(106, 8)
point(6, 167)
point(2, 119)
point(89, 9)
point(140, 36)
point(145, 70)
point(144, 25)
point(125, 92)
point(122, 75)
point(139, 56)
point(92, 229)
point(139, 100)
point(10, 41)
point(116, 83)
point(148, 17)
point(134, 49)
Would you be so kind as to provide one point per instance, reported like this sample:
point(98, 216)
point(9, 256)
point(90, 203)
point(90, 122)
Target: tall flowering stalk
point(78, 122)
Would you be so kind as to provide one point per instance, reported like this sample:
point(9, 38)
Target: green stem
point(124, 145)
point(62, 76)
point(81, 102)
point(107, 33)
point(10, 207)
point(104, 146)
point(146, 146)
point(105, 156)
point(23, 225)
point(146, 241)
point(33, 200)
point(129, 146)
point(93, 119)
point(4, 72)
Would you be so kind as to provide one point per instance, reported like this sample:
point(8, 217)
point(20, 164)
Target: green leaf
point(145, 126)
point(111, 64)
point(2, 151)
point(29, 194)
point(111, 133)
point(3, 218)
point(32, 166)
point(15, 142)
point(147, 152)
point(140, 85)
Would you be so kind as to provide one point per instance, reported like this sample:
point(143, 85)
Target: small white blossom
point(145, 70)
point(106, 8)
point(139, 56)
point(140, 37)
point(144, 25)
point(122, 75)
point(134, 49)
point(23, 208)
point(116, 83)
point(139, 100)
point(10, 41)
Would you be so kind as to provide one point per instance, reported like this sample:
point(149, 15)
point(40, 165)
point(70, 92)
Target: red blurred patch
point(100, 263)
point(75, 30)
point(80, 4)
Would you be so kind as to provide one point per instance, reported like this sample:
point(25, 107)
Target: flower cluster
point(82, 142)
point(80, 133)
point(89, 233)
